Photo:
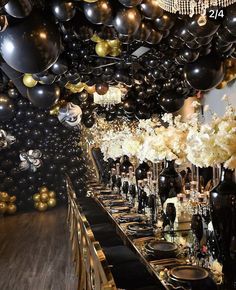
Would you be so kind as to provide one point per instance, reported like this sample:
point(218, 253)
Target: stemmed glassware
point(171, 216)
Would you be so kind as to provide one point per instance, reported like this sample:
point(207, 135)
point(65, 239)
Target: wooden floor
point(35, 252)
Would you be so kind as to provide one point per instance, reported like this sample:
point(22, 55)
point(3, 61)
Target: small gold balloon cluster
point(106, 47)
point(230, 74)
point(55, 108)
point(79, 87)
point(44, 199)
point(7, 203)
point(29, 81)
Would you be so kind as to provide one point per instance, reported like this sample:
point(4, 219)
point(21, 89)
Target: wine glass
point(197, 228)
point(171, 215)
point(125, 188)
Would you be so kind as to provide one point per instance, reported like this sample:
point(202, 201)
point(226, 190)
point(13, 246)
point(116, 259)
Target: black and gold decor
point(105, 131)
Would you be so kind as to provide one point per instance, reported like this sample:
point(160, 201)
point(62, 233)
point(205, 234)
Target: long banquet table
point(156, 267)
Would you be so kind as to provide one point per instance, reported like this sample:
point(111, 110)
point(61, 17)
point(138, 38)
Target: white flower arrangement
point(202, 144)
point(214, 143)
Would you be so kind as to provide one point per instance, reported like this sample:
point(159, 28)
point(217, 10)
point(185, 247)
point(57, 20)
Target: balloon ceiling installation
point(72, 50)
point(36, 151)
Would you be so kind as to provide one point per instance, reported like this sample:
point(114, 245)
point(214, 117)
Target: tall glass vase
point(125, 164)
point(169, 182)
point(141, 171)
point(223, 214)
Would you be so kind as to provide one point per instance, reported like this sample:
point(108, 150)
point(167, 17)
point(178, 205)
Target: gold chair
point(91, 266)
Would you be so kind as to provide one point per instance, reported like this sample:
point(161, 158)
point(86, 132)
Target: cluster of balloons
point(44, 199)
point(138, 45)
point(36, 129)
point(7, 203)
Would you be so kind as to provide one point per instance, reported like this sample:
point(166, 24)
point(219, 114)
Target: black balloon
point(130, 3)
point(143, 32)
point(205, 73)
point(165, 22)
point(44, 96)
point(154, 37)
point(170, 102)
point(47, 79)
point(63, 10)
point(89, 122)
point(230, 22)
point(37, 50)
point(202, 30)
point(151, 9)
point(99, 12)
point(18, 8)
point(127, 21)
point(6, 108)
point(13, 93)
point(189, 55)
point(3, 2)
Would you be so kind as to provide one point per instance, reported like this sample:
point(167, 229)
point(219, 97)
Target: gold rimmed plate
point(116, 209)
point(161, 246)
point(140, 228)
point(188, 273)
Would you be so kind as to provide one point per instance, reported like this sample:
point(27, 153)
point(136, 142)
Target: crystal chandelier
point(191, 7)
point(112, 97)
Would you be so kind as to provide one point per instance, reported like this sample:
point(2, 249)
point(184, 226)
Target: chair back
point(91, 265)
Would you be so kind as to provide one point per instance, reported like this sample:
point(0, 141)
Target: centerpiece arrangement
point(202, 144)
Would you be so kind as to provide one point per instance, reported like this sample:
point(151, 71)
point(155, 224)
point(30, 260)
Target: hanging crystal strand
point(214, 175)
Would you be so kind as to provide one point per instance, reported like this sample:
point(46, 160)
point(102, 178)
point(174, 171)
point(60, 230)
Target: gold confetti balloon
point(29, 81)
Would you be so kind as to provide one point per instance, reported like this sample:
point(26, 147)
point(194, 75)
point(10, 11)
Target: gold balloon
point(96, 38)
point(221, 85)
point(28, 81)
point(115, 51)
point(4, 196)
point(90, 89)
point(78, 88)
point(36, 197)
point(55, 109)
point(102, 48)
point(90, 1)
point(52, 194)
point(44, 197)
point(114, 43)
point(43, 189)
point(42, 206)
point(3, 207)
point(36, 204)
point(51, 202)
point(11, 208)
point(12, 198)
